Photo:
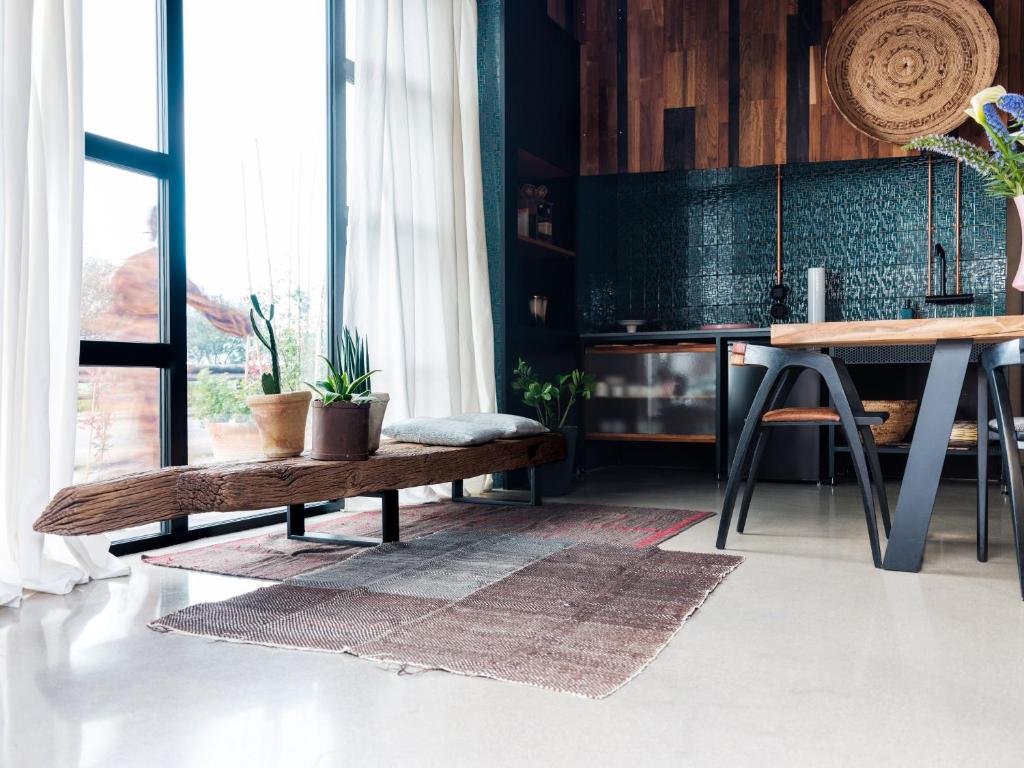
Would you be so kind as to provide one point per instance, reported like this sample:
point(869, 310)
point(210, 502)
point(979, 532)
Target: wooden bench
point(163, 494)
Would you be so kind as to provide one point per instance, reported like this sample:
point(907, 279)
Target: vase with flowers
point(1002, 164)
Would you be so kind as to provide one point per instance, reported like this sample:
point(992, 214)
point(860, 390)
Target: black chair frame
point(994, 363)
point(783, 366)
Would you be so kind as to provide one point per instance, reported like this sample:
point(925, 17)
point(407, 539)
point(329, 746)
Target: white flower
point(983, 97)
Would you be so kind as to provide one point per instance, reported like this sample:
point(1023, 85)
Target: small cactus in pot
point(279, 416)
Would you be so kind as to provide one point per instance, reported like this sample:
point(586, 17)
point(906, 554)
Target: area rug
point(274, 557)
point(544, 611)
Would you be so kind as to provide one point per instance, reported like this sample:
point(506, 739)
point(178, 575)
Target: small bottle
point(545, 215)
point(907, 313)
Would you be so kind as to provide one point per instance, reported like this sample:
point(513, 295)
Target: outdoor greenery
point(1003, 166)
point(553, 402)
point(217, 397)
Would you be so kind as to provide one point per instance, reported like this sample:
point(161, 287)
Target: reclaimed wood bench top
point(162, 494)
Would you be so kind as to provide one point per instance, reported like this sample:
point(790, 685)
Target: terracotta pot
point(341, 431)
point(282, 422)
point(1018, 280)
point(378, 406)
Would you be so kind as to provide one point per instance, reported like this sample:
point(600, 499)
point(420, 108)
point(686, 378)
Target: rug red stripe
point(654, 538)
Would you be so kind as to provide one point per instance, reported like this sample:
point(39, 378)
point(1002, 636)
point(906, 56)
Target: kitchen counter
point(648, 337)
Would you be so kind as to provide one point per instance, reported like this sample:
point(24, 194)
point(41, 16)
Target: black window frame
point(167, 166)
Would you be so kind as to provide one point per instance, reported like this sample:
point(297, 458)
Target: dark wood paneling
point(751, 71)
point(598, 87)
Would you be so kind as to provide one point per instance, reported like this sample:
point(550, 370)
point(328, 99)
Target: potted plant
point(218, 401)
point(1003, 166)
point(355, 361)
point(280, 416)
point(553, 402)
point(341, 417)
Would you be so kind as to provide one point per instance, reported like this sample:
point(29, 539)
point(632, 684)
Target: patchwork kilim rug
point(554, 612)
point(275, 557)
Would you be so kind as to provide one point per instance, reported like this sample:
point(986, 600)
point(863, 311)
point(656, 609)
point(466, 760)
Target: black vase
point(556, 477)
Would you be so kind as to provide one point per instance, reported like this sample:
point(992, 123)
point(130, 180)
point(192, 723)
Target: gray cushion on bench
point(509, 424)
point(427, 431)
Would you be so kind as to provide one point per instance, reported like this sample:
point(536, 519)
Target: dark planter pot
point(556, 478)
point(341, 431)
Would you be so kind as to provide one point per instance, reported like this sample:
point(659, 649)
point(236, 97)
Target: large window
point(215, 169)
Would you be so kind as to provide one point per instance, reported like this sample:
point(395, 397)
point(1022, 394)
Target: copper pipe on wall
point(956, 270)
point(929, 252)
point(778, 225)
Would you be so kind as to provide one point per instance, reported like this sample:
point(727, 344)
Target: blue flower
point(1014, 104)
point(995, 128)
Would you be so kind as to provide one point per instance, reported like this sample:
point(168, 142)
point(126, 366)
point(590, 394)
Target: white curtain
point(416, 271)
point(41, 157)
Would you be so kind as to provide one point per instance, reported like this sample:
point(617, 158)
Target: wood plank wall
point(714, 83)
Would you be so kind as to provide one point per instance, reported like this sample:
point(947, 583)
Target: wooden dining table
point(953, 339)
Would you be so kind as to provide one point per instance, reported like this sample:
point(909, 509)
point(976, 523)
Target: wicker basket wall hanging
point(898, 69)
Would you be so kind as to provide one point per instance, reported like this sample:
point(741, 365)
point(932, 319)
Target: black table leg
point(927, 455)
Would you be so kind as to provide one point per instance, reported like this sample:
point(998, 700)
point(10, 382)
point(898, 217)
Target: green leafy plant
point(341, 385)
point(355, 358)
point(216, 397)
point(271, 382)
point(552, 401)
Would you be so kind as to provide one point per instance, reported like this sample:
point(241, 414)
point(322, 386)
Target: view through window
point(255, 132)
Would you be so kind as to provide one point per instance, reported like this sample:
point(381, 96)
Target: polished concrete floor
point(805, 656)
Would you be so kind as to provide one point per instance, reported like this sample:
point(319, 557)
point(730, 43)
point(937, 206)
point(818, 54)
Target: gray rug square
point(446, 565)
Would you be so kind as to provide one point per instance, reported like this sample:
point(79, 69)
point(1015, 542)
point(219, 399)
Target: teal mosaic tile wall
point(491, 95)
point(684, 248)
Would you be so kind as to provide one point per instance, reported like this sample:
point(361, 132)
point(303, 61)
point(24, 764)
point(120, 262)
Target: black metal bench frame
point(295, 516)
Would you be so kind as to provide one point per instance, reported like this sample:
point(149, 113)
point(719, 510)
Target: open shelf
point(904, 448)
point(640, 437)
point(549, 248)
point(530, 166)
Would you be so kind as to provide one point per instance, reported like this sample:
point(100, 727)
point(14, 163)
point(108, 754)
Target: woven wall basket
point(898, 69)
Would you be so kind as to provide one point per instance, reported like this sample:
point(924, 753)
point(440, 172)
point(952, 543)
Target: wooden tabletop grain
point(921, 331)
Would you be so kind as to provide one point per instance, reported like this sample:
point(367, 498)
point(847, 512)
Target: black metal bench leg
point(295, 525)
point(389, 516)
point(536, 498)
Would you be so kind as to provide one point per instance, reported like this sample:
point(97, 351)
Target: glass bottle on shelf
point(545, 215)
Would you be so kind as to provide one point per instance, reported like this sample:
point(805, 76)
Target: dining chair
point(783, 367)
point(994, 364)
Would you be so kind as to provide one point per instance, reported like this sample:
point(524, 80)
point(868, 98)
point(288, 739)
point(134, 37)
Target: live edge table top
point(162, 494)
point(860, 333)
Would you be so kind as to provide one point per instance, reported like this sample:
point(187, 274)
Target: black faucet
point(940, 252)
